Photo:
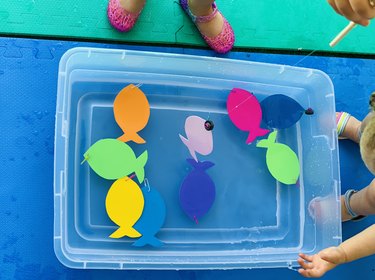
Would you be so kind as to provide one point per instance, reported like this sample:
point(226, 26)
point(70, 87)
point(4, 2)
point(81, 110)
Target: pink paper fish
point(245, 112)
point(199, 136)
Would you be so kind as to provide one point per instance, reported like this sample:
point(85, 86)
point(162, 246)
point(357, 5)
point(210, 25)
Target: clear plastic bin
point(254, 222)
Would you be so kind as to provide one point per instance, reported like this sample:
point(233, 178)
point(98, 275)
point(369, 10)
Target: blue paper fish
point(152, 218)
point(280, 111)
point(197, 192)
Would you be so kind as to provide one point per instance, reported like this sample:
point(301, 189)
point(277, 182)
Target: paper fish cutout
point(281, 111)
point(199, 136)
point(152, 218)
point(124, 204)
point(245, 112)
point(197, 192)
point(132, 111)
point(113, 159)
point(282, 162)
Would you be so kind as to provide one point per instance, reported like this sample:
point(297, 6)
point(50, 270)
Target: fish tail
point(262, 131)
point(140, 169)
point(132, 137)
point(202, 165)
point(148, 240)
point(256, 133)
point(184, 140)
point(125, 231)
point(265, 143)
point(250, 138)
point(191, 150)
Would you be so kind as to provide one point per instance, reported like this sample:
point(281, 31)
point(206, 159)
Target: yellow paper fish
point(132, 111)
point(124, 204)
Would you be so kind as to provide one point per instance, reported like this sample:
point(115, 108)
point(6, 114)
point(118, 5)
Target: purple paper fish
point(197, 193)
point(245, 112)
point(199, 136)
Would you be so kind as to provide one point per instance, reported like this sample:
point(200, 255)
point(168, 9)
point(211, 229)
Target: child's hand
point(318, 264)
point(359, 11)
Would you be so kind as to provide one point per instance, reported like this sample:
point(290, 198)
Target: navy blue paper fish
point(280, 111)
point(152, 219)
point(197, 192)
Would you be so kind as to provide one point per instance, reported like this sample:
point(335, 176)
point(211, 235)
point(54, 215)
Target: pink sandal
point(224, 41)
point(119, 18)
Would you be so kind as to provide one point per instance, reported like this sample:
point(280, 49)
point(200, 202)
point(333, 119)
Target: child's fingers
point(300, 261)
point(353, 10)
point(305, 265)
point(306, 257)
point(333, 5)
point(304, 273)
point(363, 8)
point(347, 11)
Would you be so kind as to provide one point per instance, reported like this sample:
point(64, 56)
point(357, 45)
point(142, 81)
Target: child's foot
point(214, 28)
point(132, 6)
point(123, 14)
point(211, 28)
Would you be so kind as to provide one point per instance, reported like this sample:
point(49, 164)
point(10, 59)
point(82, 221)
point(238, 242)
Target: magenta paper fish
point(245, 112)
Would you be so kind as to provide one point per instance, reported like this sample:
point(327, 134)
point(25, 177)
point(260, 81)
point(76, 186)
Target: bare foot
point(132, 6)
point(212, 28)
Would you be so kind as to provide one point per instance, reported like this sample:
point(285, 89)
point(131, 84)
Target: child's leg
point(361, 202)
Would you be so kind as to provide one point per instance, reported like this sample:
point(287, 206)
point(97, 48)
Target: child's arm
point(354, 127)
point(359, 246)
point(351, 129)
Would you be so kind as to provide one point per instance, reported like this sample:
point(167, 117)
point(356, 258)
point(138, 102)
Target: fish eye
point(309, 111)
point(209, 125)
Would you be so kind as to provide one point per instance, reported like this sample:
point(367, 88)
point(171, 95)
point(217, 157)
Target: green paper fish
point(113, 159)
point(282, 162)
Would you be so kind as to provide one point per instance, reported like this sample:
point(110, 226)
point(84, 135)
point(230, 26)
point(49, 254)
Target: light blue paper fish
point(152, 218)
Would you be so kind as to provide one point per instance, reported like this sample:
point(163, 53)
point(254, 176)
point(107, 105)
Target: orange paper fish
point(132, 111)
